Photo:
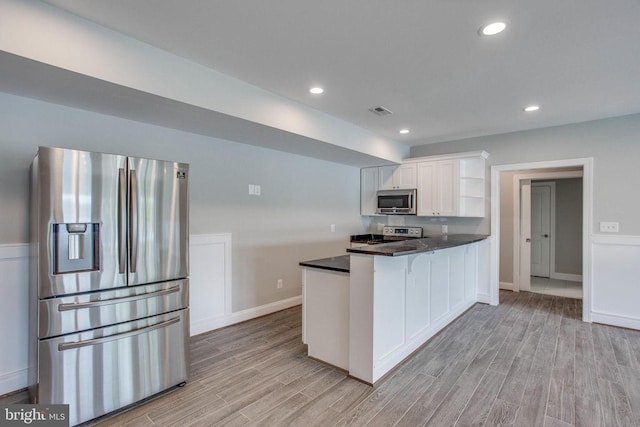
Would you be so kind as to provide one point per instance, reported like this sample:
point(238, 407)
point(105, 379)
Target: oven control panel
point(414, 232)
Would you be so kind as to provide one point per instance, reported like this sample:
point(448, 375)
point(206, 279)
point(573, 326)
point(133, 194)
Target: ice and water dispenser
point(76, 247)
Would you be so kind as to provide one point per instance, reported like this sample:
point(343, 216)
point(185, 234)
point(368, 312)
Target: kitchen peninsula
point(368, 311)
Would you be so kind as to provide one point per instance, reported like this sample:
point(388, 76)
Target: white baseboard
point(567, 276)
point(615, 320)
point(218, 322)
point(506, 286)
point(483, 298)
point(14, 381)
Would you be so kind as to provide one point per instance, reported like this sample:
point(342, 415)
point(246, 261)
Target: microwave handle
point(411, 206)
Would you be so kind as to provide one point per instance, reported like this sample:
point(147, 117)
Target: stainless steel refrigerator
point(108, 279)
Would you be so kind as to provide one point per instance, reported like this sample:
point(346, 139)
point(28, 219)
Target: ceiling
point(422, 59)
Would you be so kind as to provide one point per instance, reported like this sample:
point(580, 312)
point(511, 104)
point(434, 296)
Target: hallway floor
point(559, 288)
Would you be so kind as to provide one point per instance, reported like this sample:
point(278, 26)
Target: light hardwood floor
point(530, 361)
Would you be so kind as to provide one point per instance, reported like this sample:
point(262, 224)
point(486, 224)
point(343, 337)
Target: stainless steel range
point(389, 234)
point(109, 280)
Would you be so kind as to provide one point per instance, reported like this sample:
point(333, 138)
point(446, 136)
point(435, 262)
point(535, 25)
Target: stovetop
point(389, 234)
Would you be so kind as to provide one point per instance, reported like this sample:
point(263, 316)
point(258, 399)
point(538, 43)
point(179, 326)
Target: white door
point(540, 230)
point(523, 282)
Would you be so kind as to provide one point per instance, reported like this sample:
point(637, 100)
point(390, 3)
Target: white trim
point(208, 325)
point(615, 239)
point(507, 286)
point(587, 215)
point(225, 239)
point(481, 154)
point(13, 251)
point(485, 298)
point(615, 320)
point(14, 381)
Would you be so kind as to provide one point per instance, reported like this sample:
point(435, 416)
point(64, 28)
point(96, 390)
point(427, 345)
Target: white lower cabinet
point(398, 303)
point(325, 318)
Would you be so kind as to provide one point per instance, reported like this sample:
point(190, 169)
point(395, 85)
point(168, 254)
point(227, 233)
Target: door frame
point(587, 218)
point(522, 273)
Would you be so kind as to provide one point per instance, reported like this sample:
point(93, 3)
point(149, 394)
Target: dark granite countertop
point(336, 263)
point(414, 246)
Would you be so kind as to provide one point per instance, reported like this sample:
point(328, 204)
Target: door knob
point(546, 235)
point(528, 240)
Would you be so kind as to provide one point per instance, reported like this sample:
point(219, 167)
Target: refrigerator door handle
point(122, 212)
point(133, 220)
point(90, 304)
point(95, 341)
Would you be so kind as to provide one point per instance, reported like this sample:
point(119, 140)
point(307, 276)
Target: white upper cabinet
point(438, 188)
point(368, 188)
point(448, 185)
point(397, 177)
point(452, 186)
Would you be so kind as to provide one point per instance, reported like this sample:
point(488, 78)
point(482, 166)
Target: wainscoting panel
point(616, 280)
point(210, 300)
point(14, 316)
point(210, 280)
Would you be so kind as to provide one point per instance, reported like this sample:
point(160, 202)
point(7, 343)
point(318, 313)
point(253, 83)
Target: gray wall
point(614, 144)
point(568, 239)
point(290, 222)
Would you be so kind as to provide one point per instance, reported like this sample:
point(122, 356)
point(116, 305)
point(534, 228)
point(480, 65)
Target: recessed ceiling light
point(404, 131)
point(492, 29)
point(531, 108)
point(316, 90)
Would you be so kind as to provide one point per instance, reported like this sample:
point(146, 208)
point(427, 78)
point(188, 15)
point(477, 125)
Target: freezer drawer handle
point(71, 345)
point(90, 304)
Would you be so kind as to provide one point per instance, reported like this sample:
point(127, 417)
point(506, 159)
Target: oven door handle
point(96, 341)
point(90, 304)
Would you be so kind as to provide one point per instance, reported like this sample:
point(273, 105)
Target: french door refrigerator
point(108, 280)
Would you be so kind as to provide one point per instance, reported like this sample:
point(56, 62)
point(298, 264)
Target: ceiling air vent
point(380, 110)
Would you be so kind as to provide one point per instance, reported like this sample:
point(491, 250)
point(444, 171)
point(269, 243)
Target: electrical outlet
point(254, 190)
point(279, 284)
point(380, 226)
point(333, 228)
point(445, 228)
point(609, 227)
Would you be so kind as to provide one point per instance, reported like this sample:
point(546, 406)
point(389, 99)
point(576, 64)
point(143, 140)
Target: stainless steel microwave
point(396, 202)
